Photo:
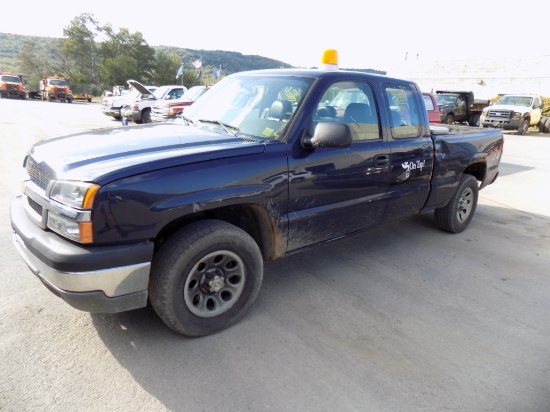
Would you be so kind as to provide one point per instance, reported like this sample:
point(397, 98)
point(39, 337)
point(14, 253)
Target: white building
point(487, 78)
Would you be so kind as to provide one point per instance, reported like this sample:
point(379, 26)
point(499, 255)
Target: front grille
point(38, 175)
point(501, 114)
point(35, 206)
point(60, 92)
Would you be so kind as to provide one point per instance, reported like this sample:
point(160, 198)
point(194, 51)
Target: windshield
point(515, 101)
point(11, 79)
point(161, 91)
point(442, 99)
point(254, 106)
point(194, 93)
point(58, 82)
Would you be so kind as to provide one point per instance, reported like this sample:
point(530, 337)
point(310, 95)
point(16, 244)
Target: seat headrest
point(358, 113)
point(326, 111)
point(280, 109)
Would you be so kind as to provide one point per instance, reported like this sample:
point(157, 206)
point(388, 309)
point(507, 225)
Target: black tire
point(546, 127)
point(205, 277)
point(456, 216)
point(449, 119)
point(69, 100)
point(146, 116)
point(474, 120)
point(523, 127)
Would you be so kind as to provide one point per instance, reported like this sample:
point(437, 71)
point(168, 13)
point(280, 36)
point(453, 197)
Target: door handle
point(381, 160)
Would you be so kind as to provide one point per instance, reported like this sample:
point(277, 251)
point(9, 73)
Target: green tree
point(126, 56)
point(33, 63)
point(166, 67)
point(81, 50)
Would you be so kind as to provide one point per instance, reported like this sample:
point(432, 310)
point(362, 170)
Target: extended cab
point(184, 215)
point(139, 111)
point(514, 112)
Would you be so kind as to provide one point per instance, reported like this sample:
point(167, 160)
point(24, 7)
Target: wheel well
point(253, 219)
point(478, 170)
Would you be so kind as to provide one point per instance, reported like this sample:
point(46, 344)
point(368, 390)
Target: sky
point(367, 35)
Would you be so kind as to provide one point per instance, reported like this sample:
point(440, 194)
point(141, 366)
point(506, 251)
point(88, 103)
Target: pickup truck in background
point(460, 107)
point(515, 112)
point(111, 105)
point(184, 215)
point(169, 110)
point(139, 111)
point(432, 108)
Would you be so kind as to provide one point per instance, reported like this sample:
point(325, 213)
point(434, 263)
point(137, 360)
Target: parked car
point(431, 107)
point(111, 104)
point(139, 111)
point(166, 111)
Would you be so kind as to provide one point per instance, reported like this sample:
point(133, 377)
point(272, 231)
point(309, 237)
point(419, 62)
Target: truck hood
point(105, 155)
point(140, 87)
point(514, 108)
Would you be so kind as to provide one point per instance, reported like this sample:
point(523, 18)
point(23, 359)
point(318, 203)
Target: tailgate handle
point(382, 160)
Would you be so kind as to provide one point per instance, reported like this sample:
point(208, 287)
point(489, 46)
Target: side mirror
point(329, 134)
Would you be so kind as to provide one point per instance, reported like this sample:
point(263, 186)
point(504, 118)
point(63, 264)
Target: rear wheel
point(456, 216)
point(205, 277)
point(523, 127)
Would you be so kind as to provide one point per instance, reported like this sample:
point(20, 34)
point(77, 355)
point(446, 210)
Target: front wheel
point(146, 116)
point(523, 127)
point(205, 277)
point(456, 216)
point(449, 119)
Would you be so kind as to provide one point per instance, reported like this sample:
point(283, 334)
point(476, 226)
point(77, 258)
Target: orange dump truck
point(55, 88)
point(11, 85)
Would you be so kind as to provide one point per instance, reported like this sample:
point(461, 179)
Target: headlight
point(517, 115)
point(75, 194)
point(484, 112)
point(135, 106)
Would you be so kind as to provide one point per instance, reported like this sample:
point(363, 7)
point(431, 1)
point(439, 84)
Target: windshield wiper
point(227, 127)
point(187, 120)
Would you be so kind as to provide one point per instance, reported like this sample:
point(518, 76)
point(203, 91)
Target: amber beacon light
point(329, 60)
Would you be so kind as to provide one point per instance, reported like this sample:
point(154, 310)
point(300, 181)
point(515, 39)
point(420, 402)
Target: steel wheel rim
point(214, 284)
point(465, 205)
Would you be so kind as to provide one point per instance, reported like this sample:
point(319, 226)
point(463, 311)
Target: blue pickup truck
point(265, 164)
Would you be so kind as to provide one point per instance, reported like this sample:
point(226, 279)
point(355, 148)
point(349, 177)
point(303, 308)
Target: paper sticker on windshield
point(267, 132)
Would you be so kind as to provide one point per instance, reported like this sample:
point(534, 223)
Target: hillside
point(231, 61)
point(12, 44)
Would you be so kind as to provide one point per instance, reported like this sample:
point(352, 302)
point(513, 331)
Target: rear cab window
point(404, 111)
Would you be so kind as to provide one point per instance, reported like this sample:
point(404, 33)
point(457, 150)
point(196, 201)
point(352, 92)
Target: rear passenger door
point(337, 191)
point(411, 150)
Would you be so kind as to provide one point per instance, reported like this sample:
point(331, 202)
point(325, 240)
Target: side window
point(403, 110)
point(352, 103)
